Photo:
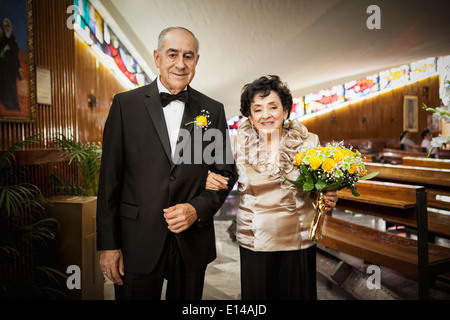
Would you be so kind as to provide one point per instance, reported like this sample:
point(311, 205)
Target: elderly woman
point(277, 259)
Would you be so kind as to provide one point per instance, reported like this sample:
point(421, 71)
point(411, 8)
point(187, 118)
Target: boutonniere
point(201, 120)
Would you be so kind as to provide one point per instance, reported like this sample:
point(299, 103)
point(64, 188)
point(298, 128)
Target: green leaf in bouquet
point(369, 176)
point(307, 174)
point(296, 182)
point(354, 192)
point(308, 186)
point(305, 171)
point(320, 184)
point(335, 185)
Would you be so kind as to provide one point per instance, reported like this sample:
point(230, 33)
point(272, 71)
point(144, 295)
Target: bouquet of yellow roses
point(324, 169)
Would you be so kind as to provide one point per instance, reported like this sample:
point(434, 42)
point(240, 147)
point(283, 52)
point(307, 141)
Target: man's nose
point(180, 63)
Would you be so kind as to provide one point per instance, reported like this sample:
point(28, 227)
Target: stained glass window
point(394, 78)
point(358, 89)
point(443, 69)
point(298, 107)
point(422, 69)
point(311, 105)
point(93, 29)
point(323, 99)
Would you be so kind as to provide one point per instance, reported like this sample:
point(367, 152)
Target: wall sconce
point(92, 100)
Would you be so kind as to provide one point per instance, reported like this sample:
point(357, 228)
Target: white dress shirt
point(173, 113)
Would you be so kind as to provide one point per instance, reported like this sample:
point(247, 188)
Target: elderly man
point(154, 216)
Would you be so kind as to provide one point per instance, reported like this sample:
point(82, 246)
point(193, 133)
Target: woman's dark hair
point(425, 133)
point(263, 86)
point(403, 134)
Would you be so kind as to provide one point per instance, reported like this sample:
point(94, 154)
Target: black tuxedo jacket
point(138, 179)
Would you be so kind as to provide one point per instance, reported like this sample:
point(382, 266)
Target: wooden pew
point(395, 156)
point(401, 203)
point(436, 182)
point(411, 174)
point(444, 154)
point(426, 162)
point(368, 146)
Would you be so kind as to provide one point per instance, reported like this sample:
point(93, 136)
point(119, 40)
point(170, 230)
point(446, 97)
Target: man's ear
point(198, 57)
point(156, 57)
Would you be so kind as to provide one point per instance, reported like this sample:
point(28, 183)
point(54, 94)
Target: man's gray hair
point(165, 31)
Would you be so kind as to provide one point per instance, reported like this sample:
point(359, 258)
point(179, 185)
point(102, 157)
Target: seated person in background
point(426, 142)
point(405, 140)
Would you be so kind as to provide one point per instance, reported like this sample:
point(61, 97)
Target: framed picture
point(17, 70)
point(411, 113)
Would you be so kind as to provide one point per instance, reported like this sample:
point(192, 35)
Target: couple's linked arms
point(217, 182)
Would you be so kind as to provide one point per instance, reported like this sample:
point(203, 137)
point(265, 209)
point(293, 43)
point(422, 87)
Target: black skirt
point(284, 275)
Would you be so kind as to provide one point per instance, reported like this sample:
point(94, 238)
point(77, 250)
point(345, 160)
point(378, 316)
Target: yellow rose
point(315, 162)
point(299, 158)
point(338, 156)
point(201, 121)
point(353, 168)
point(328, 165)
point(311, 152)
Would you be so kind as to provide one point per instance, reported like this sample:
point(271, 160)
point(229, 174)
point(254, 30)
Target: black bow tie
point(167, 98)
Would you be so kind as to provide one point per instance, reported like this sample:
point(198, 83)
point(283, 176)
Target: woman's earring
point(286, 123)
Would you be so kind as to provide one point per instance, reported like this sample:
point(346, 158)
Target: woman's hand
point(216, 182)
point(330, 199)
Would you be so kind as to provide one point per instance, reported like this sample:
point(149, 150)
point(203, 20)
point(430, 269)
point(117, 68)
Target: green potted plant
point(75, 210)
point(87, 157)
point(23, 226)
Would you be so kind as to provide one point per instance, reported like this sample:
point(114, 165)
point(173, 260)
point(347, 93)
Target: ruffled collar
point(254, 151)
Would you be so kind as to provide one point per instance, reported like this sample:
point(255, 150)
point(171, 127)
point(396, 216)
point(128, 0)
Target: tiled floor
point(222, 280)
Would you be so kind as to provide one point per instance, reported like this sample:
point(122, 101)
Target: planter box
point(75, 244)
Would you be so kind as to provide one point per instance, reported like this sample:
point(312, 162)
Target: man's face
point(177, 60)
point(8, 28)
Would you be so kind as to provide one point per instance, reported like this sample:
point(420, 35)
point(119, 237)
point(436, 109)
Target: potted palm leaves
point(23, 230)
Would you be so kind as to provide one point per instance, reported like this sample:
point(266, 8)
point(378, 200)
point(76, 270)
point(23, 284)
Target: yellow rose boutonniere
point(201, 120)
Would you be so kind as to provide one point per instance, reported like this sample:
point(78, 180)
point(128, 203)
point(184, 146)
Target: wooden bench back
point(426, 162)
point(437, 185)
point(390, 201)
point(396, 155)
point(410, 174)
point(390, 194)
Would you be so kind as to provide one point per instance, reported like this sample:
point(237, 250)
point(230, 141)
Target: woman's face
point(267, 112)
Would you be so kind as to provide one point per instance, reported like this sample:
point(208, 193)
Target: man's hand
point(111, 263)
point(180, 217)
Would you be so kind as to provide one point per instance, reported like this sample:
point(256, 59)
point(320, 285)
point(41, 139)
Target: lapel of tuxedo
point(154, 108)
point(191, 110)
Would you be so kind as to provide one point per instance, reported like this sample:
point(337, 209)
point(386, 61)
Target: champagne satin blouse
point(273, 214)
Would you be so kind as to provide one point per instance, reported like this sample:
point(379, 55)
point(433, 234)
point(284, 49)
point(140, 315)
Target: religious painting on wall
point(410, 114)
point(17, 72)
